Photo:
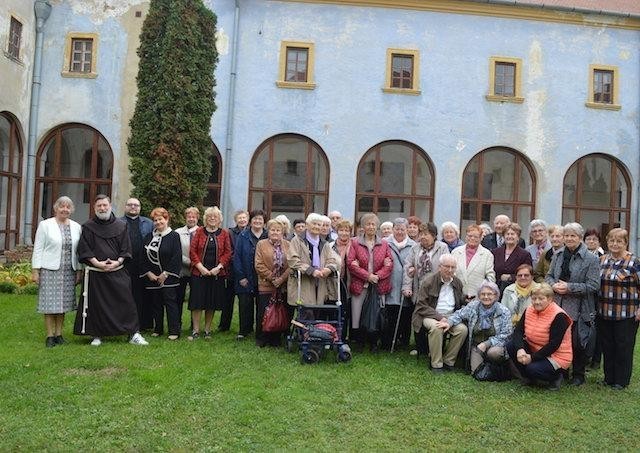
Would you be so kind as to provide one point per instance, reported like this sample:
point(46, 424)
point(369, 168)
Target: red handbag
point(276, 318)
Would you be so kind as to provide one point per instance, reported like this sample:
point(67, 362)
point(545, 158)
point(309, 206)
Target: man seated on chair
point(439, 295)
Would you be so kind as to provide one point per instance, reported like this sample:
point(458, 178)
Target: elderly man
point(138, 228)
point(108, 308)
point(439, 296)
point(494, 240)
point(335, 217)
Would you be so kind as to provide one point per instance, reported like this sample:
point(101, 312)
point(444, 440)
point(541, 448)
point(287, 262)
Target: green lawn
point(230, 396)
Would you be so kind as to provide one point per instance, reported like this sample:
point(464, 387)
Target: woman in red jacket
point(369, 262)
point(210, 254)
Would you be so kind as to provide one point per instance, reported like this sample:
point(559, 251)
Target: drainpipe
point(226, 159)
point(42, 9)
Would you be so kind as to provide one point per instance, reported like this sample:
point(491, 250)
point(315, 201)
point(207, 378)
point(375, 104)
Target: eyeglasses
point(133, 204)
point(523, 275)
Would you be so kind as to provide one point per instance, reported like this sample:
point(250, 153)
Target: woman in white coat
point(474, 263)
point(55, 268)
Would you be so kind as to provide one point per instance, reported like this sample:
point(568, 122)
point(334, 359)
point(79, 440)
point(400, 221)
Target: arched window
point(498, 181)
point(289, 175)
point(10, 180)
point(395, 179)
point(597, 193)
point(74, 160)
point(212, 198)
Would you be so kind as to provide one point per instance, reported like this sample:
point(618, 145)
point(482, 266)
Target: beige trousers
point(435, 336)
point(495, 354)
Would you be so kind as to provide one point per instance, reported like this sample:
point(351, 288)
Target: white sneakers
point(138, 339)
point(96, 342)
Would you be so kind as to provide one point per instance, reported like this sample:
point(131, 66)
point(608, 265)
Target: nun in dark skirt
point(210, 254)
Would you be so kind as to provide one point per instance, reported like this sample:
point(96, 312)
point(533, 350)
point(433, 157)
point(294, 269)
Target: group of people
point(487, 299)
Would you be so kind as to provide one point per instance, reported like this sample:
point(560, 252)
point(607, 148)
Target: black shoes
point(577, 381)
point(59, 340)
point(51, 342)
point(557, 382)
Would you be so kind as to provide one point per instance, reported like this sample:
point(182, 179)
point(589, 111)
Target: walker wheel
point(310, 357)
point(289, 345)
point(344, 356)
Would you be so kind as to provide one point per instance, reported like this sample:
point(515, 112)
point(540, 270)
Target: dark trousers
point(618, 339)
point(246, 303)
point(422, 345)
point(540, 370)
point(144, 308)
point(226, 314)
point(579, 353)
point(181, 292)
point(165, 299)
point(404, 328)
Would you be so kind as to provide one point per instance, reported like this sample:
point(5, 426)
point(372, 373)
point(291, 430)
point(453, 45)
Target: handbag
point(489, 371)
point(371, 317)
point(276, 318)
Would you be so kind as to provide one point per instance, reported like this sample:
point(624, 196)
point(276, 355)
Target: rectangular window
point(603, 87)
point(402, 72)
point(15, 36)
point(296, 65)
point(505, 80)
point(81, 55)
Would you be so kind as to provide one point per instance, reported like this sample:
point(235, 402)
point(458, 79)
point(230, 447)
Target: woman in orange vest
point(540, 348)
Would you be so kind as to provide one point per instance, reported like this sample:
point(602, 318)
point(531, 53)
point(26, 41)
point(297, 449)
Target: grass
point(230, 396)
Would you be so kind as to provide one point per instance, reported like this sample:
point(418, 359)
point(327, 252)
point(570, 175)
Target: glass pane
point(620, 220)
point(570, 182)
point(4, 200)
point(103, 189)
point(319, 203)
point(470, 179)
point(568, 215)
point(595, 219)
point(76, 148)
point(260, 169)
point(390, 208)
point(422, 209)
point(490, 211)
point(468, 212)
point(5, 140)
point(365, 204)
point(46, 202)
point(424, 177)
point(498, 175)
point(596, 182)
point(366, 173)
point(80, 195)
point(212, 198)
point(105, 160)
point(257, 201)
point(289, 164)
point(525, 185)
point(14, 221)
point(524, 216)
point(621, 191)
point(396, 167)
point(318, 172)
point(16, 153)
point(286, 203)
point(215, 168)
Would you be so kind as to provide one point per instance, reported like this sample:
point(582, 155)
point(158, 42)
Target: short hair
point(314, 217)
point(159, 212)
point(593, 232)
point(335, 212)
point(619, 233)
point(211, 211)
point(192, 210)
point(284, 220)
point(297, 221)
point(537, 223)
point(276, 223)
point(491, 285)
point(257, 213)
point(485, 227)
point(400, 221)
point(344, 225)
point(542, 289)
point(526, 266)
point(369, 216)
point(430, 228)
point(238, 212)
point(448, 256)
point(452, 225)
point(553, 228)
point(63, 200)
point(474, 227)
point(325, 219)
point(414, 220)
point(575, 228)
point(514, 227)
point(386, 224)
point(102, 196)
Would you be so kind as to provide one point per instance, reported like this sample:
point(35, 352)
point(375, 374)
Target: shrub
point(8, 287)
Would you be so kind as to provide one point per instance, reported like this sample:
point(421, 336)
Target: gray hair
point(286, 224)
point(64, 200)
point(368, 217)
point(325, 219)
point(574, 227)
point(400, 221)
point(488, 284)
point(448, 257)
point(386, 224)
point(537, 223)
point(449, 224)
point(314, 217)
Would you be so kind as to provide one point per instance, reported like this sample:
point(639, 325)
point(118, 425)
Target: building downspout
point(226, 159)
point(42, 9)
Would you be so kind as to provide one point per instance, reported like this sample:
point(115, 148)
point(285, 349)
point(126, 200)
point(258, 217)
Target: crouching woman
point(540, 348)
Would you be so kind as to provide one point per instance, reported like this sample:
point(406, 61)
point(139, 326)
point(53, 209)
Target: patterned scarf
point(424, 263)
point(523, 292)
point(486, 315)
point(278, 259)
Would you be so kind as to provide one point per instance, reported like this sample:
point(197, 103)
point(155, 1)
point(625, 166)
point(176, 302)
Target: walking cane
point(395, 333)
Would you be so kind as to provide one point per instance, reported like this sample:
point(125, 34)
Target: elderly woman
point(592, 241)
point(451, 235)
point(191, 215)
point(509, 256)
point(486, 229)
point(210, 254)
point(556, 238)
point(488, 323)
point(618, 308)
point(341, 247)
point(55, 268)
point(540, 240)
point(474, 263)
point(517, 296)
point(574, 276)
point(325, 231)
point(244, 271)
point(398, 306)
point(423, 260)
point(370, 263)
point(286, 224)
point(313, 265)
point(273, 272)
point(540, 347)
point(413, 229)
point(386, 229)
point(161, 265)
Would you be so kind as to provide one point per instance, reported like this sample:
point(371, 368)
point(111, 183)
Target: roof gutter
point(564, 9)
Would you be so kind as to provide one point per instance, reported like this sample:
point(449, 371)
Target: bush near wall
point(15, 278)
